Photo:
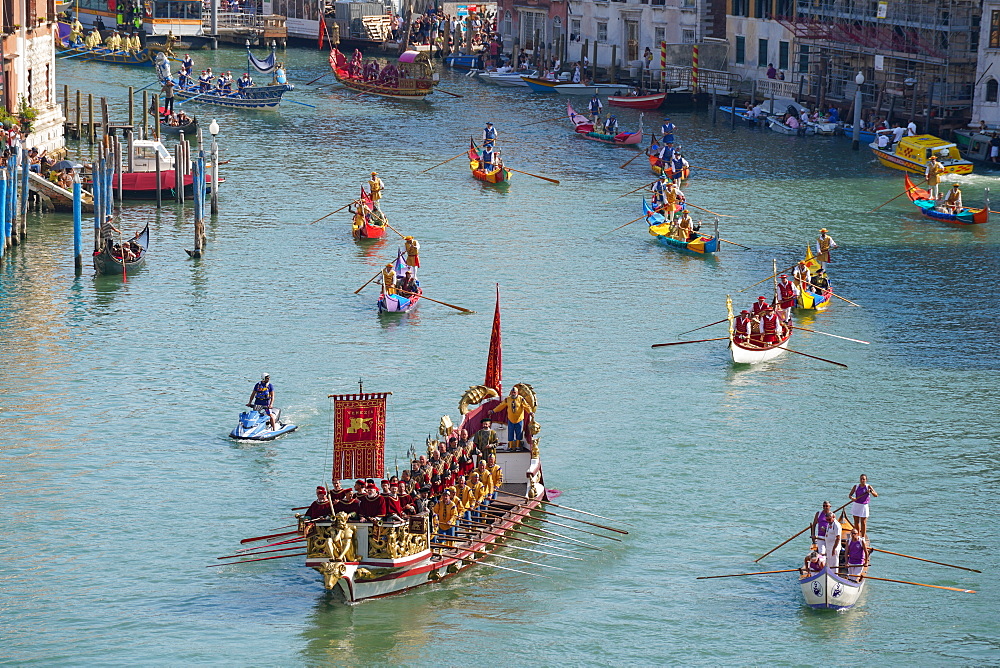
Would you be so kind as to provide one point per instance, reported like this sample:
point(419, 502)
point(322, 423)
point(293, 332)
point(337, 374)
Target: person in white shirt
point(883, 140)
point(911, 129)
point(832, 540)
point(897, 133)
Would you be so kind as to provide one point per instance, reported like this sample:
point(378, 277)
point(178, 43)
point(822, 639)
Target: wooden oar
point(422, 296)
point(632, 191)
point(769, 277)
point(543, 178)
point(572, 528)
point(513, 570)
point(273, 535)
point(368, 281)
point(815, 331)
point(734, 243)
point(717, 322)
point(898, 196)
point(630, 160)
point(939, 563)
point(438, 541)
point(331, 213)
point(739, 575)
point(317, 78)
point(921, 584)
point(798, 534)
point(844, 299)
point(681, 343)
point(568, 541)
point(517, 547)
point(280, 556)
point(621, 226)
point(520, 520)
point(465, 152)
point(240, 555)
point(281, 542)
point(440, 90)
point(483, 528)
point(575, 519)
point(575, 510)
point(723, 215)
point(393, 228)
point(821, 359)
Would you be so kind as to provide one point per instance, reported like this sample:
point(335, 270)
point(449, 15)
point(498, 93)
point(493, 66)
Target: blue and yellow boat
point(659, 227)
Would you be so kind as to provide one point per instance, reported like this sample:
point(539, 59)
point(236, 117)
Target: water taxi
point(911, 154)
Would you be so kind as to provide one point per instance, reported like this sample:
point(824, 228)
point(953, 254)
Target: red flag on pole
point(494, 363)
point(359, 435)
point(322, 29)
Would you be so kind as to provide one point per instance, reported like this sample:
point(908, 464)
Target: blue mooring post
point(98, 207)
point(11, 197)
point(77, 225)
point(109, 199)
point(24, 196)
point(3, 211)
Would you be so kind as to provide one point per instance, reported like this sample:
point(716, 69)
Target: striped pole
point(663, 65)
point(3, 212)
point(77, 225)
point(694, 68)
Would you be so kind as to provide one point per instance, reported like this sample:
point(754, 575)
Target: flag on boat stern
point(358, 435)
point(494, 363)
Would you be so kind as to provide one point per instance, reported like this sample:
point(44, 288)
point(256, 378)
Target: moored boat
point(645, 102)
point(510, 79)
point(781, 127)
point(461, 61)
point(106, 261)
point(911, 154)
point(540, 85)
point(141, 182)
point(659, 228)
point(589, 89)
point(499, 173)
point(585, 128)
point(929, 208)
point(392, 81)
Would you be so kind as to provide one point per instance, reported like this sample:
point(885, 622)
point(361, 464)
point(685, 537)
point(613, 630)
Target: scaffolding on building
point(918, 57)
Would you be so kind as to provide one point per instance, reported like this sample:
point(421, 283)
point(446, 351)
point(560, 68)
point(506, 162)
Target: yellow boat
point(911, 154)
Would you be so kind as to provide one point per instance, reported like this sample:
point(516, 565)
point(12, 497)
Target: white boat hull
point(828, 591)
point(742, 355)
point(599, 89)
point(781, 128)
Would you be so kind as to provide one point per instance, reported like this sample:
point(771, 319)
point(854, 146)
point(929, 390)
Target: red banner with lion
point(358, 435)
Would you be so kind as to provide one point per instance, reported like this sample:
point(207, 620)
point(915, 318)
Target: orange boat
point(499, 174)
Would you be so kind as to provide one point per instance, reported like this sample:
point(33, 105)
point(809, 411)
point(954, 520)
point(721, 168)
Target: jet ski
point(254, 425)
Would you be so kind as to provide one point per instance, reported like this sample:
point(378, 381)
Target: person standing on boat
point(576, 73)
point(857, 554)
point(611, 125)
point(741, 327)
point(666, 155)
point(802, 275)
point(515, 405)
point(911, 129)
point(489, 135)
point(321, 507)
point(595, 107)
point(485, 439)
point(108, 231)
point(496, 473)
point(376, 187)
point(819, 525)
point(953, 200)
point(860, 495)
point(667, 130)
point(447, 514)
point(204, 81)
point(787, 292)
point(933, 172)
point(823, 246)
point(168, 96)
point(262, 399)
point(244, 81)
point(769, 324)
point(759, 306)
point(388, 280)
point(679, 164)
point(187, 64)
point(76, 32)
point(659, 191)
point(832, 539)
point(412, 253)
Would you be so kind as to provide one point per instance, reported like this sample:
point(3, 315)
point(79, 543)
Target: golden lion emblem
point(359, 424)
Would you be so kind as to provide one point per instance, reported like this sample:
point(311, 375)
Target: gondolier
point(488, 157)
point(515, 405)
point(769, 323)
point(262, 398)
point(595, 108)
point(933, 172)
point(168, 96)
point(787, 292)
point(412, 253)
point(742, 326)
point(108, 231)
point(953, 200)
point(375, 186)
point(489, 135)
point(823, 246)
point(802, 275)
point(667, 130)
point(666, 155)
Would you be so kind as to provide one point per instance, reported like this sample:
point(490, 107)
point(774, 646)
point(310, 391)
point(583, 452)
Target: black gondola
point(105, 263)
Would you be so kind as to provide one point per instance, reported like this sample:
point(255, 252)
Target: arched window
point(991, 90)
point(505, 24)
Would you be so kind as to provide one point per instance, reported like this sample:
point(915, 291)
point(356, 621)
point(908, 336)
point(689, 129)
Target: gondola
point(368, 224)
point(811, 298)
point(922, 198)
point(585, 128)
point(397, 303)
point(106, 263)
point(189, 129)
point(659, 228)
point(497, 175)
point(755, 350)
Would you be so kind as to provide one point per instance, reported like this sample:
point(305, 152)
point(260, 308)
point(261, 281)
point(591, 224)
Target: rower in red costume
point(347, 504)
point(741, 326)
point(321, 507)
point(392, 505)
point(759, 306)
point(372, 505)
point(769, 323)
point(786, 294)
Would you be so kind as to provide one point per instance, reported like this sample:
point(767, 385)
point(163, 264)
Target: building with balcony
point(759, 36)
point(532, 24)
point(29, 78)
point(986, 92)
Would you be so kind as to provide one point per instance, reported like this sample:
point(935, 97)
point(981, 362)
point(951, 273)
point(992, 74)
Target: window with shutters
point(761, 53)
point(659, 36)
point(602, 31)
point(991, 90)
point(994, 29)
point(741, 49)
point(782, 55)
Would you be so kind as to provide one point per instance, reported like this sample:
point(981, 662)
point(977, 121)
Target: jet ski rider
point(262, 399)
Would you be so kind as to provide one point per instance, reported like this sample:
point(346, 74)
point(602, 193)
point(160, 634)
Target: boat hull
point(828, 591)
point(102, 55)
point(105, 264)
point(922, 199)
point(255, 97)
point(645, 102)
point(540, 85)
point(594, 89)
point(498, 175)
point(464, 62)
point(755, 351)
point(389, 304)
point(813, 301)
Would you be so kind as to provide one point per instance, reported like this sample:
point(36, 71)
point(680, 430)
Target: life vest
point(489, 133)
point(262, 393)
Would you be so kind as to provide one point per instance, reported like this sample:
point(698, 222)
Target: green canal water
point(118, 484)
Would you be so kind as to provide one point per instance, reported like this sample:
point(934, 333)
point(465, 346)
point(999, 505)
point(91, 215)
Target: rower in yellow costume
point(389, 280)
point(478, 494)
point(76, 32)
point(412, 253)
point(684, 226)
point(114, 42)
point(375, 186)
point(447, 514)
point(93, 39)
point(516, 406)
